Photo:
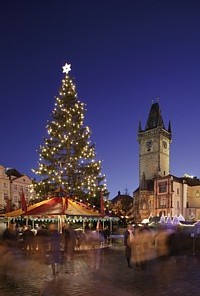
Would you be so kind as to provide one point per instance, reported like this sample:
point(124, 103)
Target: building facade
point(12, 184)
point(159, 192)
point(121, 205)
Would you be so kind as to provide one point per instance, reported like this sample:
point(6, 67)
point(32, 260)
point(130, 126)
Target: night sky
point(124, 54)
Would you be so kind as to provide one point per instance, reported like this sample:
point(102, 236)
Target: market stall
point(55, 210)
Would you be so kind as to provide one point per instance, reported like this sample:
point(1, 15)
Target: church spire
point(169, 128)
point(155, 118)
point(139, 127)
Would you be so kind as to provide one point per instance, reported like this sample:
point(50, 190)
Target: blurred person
point(34, 244)
point(8, 263)
point(143, 247)
point(42, 239)
point(28, 237)
point(94, 240)
point(19, 237)
point(79, 238)
point(69, 246)
point(87, 228)
point(177, 242)
point(128, 240)
point(162, 242)
point(34, 230)
point(9, 236)
point(54, 244)
point(106, 233)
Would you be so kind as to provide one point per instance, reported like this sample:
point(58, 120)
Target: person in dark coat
point(69, 249)
point(28, 237)
point(9, 236)
point(42, 240)
point(128, 238)
point(54, 244)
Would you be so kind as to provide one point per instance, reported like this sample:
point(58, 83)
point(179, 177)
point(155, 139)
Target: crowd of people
point(143, 244)
point(54, 246)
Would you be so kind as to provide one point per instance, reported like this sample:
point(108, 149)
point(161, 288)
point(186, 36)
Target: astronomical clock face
point(148, 145)
point(164, 144)
point(197, 193)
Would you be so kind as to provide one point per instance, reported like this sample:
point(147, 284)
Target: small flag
point(23, 202)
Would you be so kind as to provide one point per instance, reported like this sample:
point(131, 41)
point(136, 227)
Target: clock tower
point(154, 147)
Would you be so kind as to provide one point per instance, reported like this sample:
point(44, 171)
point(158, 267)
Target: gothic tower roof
point(155, 118)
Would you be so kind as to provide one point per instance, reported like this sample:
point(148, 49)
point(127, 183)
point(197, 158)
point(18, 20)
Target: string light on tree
point(68, 157)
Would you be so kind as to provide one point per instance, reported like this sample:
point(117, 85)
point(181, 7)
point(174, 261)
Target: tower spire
point(139, 127)
point(169, 127)
point(155, 118)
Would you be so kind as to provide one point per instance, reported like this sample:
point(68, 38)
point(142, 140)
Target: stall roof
point(56, 206)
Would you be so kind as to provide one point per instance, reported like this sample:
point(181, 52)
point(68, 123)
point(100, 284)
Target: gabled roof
point(13, 172)
point(124, 197)
point(21, 177)
point(190, 181)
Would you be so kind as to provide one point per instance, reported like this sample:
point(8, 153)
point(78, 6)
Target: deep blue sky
point(124, 53)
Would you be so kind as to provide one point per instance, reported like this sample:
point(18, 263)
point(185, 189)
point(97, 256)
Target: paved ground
point(31, 276)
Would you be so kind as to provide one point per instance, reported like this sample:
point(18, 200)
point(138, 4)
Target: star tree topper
point(66, 68)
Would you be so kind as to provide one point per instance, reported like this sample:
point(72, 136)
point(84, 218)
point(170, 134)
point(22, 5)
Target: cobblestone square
point(32, 276)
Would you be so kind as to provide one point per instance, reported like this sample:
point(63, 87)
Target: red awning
point(56, 206)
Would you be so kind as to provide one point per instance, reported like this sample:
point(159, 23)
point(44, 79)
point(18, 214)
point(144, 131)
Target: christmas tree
point(67, 158)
